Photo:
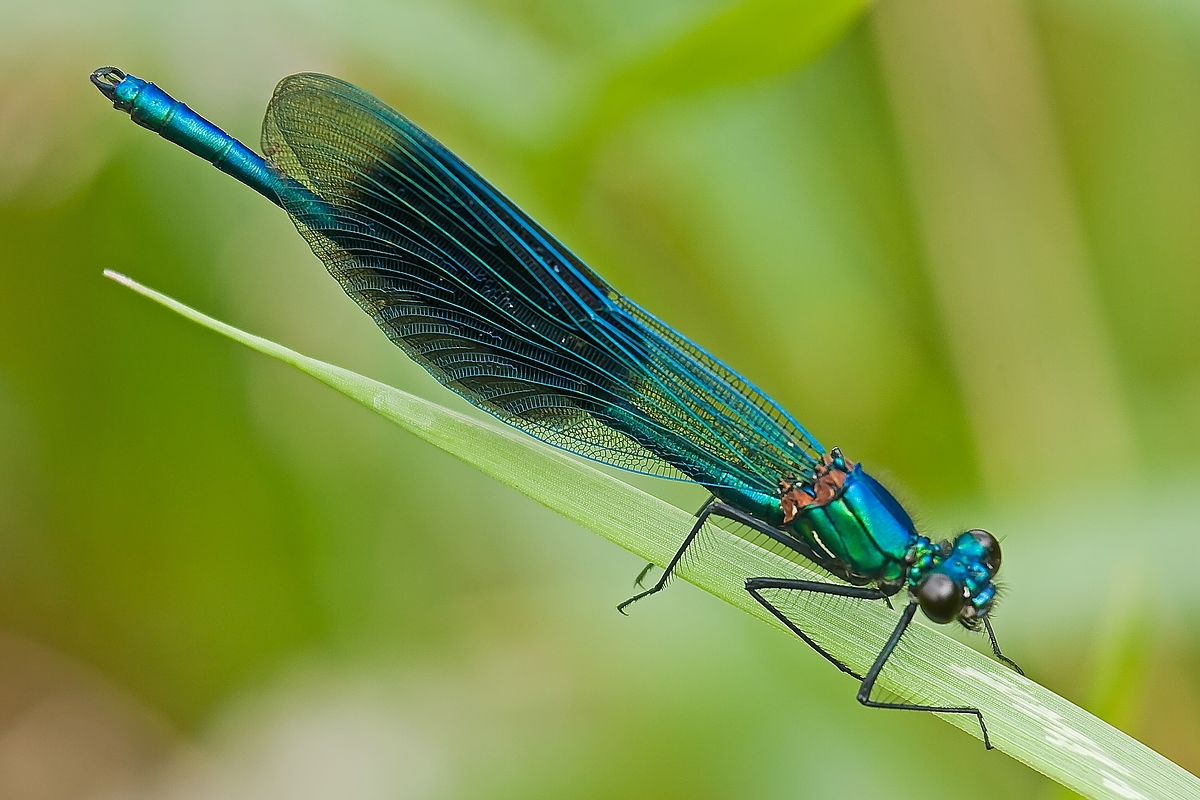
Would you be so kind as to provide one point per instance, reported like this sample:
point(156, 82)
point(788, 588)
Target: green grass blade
point(1027, 721)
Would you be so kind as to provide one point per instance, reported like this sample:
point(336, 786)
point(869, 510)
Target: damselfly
point(498, 310)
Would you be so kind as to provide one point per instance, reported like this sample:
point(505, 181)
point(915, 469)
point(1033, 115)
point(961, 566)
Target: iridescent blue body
point(155, 110)
point(501, 312)
point(864, 528)
point(862, 535)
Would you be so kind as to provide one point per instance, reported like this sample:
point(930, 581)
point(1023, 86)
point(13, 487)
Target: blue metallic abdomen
point(155, 110)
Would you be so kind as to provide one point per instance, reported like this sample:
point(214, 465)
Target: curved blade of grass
point(1027, 721)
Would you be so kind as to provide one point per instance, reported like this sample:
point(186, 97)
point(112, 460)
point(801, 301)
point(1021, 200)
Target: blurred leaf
point(1026, 720)
point(747, 41)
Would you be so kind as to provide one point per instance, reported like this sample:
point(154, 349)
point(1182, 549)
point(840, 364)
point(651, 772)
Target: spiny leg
point(646, 569)
point(868, 684)
point(754, 585)
point(996, 648)
point(715, 508)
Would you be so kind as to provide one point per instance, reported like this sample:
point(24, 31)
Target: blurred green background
point(961, 241)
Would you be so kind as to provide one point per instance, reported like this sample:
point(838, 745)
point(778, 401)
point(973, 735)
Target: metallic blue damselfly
point(498, 310)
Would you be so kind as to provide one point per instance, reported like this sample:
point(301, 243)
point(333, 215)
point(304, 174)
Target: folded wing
point(502, 313)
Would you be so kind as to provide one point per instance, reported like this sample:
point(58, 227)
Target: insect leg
point(996, 648)
point(646, 569)
point(754, 585)
point(713, 506)
point(864, 691)
point(716, 508)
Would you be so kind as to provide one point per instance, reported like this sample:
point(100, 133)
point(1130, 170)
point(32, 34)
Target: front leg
point(868, 684)
point(987, 623)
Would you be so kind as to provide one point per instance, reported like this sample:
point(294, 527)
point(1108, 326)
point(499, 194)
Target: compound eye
point(940, 597)
point(991, 549)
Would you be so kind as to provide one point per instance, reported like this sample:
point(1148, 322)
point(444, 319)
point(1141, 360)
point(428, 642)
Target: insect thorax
point(851, 520)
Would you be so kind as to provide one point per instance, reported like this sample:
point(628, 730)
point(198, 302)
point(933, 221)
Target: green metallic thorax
point(861, 535)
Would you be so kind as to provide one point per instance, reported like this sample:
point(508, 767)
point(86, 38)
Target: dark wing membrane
point(500, 312)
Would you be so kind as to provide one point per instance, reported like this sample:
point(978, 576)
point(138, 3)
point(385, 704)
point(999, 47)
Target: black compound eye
point(940, 597)
point(991, 549)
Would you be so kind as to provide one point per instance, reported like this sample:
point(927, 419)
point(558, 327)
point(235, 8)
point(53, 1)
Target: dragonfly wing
point(501, 312)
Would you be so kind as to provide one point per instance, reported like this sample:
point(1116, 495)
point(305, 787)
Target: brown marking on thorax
point(825, 487)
